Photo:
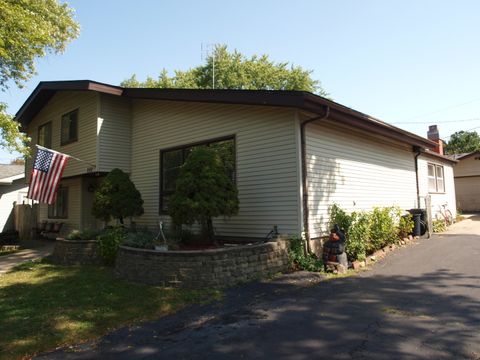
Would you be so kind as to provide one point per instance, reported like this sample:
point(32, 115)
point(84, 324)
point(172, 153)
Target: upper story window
point(436, 180)
point(69, 127)
point(45, 135)
point(171, 161)
point(59, 209)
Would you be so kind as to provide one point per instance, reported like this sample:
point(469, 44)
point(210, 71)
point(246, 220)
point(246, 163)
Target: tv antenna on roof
point(208, 50)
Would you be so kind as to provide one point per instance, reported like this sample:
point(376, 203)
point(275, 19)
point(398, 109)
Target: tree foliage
point(203, 191)
point(463, 142)
point(11, 138)
point(29, 29)
point(233, 70)
point(117, 198)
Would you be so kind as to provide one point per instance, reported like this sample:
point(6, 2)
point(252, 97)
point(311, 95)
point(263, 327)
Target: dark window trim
point(65, 215)
point(436, 179)
point(38, 133)
point(62, 143)
point(186, 146)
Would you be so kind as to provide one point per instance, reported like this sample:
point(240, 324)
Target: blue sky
point(401, 61)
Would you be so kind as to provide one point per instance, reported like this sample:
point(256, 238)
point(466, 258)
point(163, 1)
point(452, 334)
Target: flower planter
point(76, 252)
point(212, 268)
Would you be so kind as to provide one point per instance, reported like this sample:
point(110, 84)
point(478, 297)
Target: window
point(59, 210)
point(69, 127)
point(171, 161)
point(436, 181)
point(45, 135)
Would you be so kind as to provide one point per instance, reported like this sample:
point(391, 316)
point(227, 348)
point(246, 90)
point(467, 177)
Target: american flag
point(47, 172)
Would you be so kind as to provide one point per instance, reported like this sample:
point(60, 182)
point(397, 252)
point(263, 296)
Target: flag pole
point(70, 156)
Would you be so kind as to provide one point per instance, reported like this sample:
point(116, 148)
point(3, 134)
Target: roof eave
point(46, 89)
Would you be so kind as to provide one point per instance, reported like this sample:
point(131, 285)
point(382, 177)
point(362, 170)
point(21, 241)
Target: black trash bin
point(419, 221)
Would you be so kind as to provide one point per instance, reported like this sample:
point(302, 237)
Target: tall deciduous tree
point(463, 142)
point(29, 29)
point(233, 70)
point(203, 191)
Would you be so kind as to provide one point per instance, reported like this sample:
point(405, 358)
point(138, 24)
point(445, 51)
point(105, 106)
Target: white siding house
point(12, 190)
point(356, 171)
point(435, 179)
point(295, 153)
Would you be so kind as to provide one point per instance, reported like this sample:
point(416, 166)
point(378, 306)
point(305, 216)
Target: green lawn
point(43, 306)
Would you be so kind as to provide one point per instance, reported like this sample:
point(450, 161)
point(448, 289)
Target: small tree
point(203, 191)
point(117, 197)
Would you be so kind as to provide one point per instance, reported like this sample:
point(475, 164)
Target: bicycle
point(446, 214)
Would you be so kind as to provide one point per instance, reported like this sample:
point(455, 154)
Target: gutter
point(418, 152)
point(303, 125)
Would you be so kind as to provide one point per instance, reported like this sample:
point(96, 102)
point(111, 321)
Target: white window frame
point(437, 179)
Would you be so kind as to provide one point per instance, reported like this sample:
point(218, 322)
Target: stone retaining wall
point(76, 252)
point(215, 268)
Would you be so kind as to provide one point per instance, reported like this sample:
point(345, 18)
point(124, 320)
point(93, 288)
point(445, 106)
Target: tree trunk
point(207, 230)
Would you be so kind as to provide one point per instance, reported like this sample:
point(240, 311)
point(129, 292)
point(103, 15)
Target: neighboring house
point(12, 190)
point(295, 153)
point(467, 181)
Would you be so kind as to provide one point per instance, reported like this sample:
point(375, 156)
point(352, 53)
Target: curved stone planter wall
point(76, 252)
point(208, 268)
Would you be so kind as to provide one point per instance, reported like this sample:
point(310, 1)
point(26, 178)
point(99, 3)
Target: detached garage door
point(468, 193)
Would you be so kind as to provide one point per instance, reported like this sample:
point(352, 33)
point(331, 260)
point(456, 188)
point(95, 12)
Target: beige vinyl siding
point(468, 167)
point(467, 183)
point(85, 147)
point(355, 171)
point(114, 133)
point(437, 199)
point(468, 193)
point(73, 222)
point(266, 169)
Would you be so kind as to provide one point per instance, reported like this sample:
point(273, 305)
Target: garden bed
point(76, 252)
point(212, 268)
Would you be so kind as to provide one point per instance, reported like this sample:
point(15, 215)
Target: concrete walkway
point(36, 250)
point(421, 302)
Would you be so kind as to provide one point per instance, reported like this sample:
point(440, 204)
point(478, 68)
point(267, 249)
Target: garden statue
point(334, 256)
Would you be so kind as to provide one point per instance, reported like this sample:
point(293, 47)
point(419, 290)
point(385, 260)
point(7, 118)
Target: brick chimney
point(434, 136)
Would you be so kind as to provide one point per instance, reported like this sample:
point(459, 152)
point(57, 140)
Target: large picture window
point(436, 179)
point(45, 135)
point(172, 159)
point(69, 127)
point(59, 210)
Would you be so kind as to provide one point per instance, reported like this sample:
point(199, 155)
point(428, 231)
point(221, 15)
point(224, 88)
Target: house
point(435, 177)
point(295, 153)
point(467, 181)
point(12, 190)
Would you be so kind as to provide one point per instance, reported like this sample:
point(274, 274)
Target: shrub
point(405, 225)
point(384, 227)
point(203, 191)
point(358, 235)
point(87, 234)
point(367, 232)
point(142, 239)
point(117, 198)
point(340, 217)
point(300, 261)
point(439, 226)
point(109, 242)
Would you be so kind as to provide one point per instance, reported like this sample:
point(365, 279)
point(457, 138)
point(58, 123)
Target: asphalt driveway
point(421, 302)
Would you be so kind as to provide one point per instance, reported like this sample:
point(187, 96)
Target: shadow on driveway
point(422, 302)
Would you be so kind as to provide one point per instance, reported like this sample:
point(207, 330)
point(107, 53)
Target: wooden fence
point(25, 218)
